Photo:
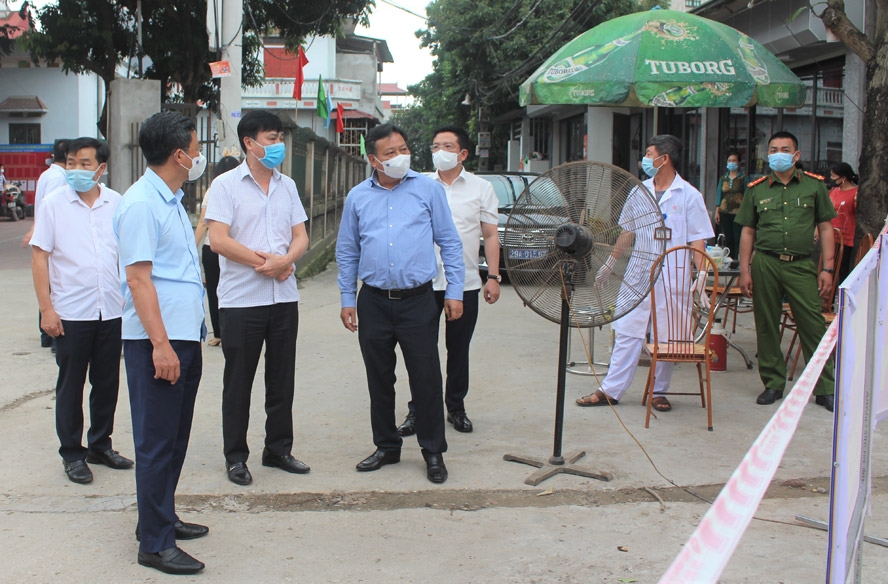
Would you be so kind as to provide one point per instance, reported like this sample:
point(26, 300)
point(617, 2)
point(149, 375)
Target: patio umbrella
point(663, 58)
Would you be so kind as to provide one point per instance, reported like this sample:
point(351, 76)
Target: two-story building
point(349, 67)
point(38, 105)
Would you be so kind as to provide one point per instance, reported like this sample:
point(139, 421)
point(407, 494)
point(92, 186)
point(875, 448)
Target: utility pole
point(224, 22)
point(483, 139)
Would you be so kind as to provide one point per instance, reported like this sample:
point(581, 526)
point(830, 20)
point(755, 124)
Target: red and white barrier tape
point(708, 550)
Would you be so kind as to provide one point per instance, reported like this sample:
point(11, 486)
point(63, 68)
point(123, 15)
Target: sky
point(396, 27)
point(387, 22)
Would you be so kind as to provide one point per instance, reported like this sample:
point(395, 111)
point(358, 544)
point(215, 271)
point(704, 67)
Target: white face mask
point(444, 160)
point(396, 167)
point(198, 166)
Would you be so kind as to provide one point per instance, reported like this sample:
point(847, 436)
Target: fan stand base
point(557, 465)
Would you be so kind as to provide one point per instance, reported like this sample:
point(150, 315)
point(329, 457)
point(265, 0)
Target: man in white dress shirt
point(51, 179)
point(474, 207)
point(257, 226)
point(76, 277)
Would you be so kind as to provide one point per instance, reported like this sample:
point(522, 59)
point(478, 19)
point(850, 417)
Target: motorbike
point(13, 205)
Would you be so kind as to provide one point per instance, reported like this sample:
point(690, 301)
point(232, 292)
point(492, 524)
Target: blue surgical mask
point(274, 154)
point(647, 165)
point(780, 161)
point(81, 180)
point(733, 166)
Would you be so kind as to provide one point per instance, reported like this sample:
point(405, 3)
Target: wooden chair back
point(673, 324)
point(863, 247)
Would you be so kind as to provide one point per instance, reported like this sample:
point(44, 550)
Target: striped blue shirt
point(151, 225)
point(387, 238)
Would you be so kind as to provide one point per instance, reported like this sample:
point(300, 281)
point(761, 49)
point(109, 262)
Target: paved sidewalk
point(483, 525)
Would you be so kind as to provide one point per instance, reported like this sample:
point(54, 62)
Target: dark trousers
point(162, 415)
point(411, 323)
point(845, 268)
point(93, 346)
point(458, 336)
point(210, 261)
point(246, 329)
point(731, 231)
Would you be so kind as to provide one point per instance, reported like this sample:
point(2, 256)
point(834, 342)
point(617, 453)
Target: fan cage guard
point(608, 202)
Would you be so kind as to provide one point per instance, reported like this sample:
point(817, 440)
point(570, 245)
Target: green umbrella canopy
point(663, 58)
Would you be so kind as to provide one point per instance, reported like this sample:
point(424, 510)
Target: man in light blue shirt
point(163, 326)
point(390, 225)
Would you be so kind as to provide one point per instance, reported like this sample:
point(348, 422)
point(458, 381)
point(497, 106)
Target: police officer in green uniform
point(779, 214)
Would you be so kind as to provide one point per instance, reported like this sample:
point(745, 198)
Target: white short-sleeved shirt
point(261, 222)
point(472, 202)
point(84, 275)
point(685, 215)
point(52, 179)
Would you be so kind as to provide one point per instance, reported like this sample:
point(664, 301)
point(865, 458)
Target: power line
point(393, 5)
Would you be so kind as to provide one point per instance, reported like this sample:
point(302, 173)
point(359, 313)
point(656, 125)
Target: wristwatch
point(828, 270)
point(496, 277)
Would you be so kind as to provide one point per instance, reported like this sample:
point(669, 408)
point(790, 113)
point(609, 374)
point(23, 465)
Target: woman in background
point(209, 258)
point(844, 199)
point(731, 188)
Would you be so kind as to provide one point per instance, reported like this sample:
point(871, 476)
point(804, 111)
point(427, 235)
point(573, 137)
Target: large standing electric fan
point(567, 224)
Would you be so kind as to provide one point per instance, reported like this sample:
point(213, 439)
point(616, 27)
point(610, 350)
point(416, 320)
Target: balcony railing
point(280, 88)
point(826, 96)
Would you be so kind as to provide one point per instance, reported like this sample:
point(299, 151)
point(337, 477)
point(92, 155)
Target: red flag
point(340, 123)
point(301, 61)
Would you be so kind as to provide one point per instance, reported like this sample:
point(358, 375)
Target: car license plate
point(527, 254)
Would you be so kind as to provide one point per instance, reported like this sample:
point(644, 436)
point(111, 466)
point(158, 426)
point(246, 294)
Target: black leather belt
point(399, 294)
point(784, 257)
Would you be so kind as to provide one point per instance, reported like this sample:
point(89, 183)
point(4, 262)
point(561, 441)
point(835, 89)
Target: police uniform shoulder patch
point(757, 181)
point(812, 175)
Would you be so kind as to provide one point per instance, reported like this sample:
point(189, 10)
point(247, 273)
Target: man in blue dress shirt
point(163, 326)
point(390, 225)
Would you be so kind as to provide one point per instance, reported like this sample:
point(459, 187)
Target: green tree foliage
point(872, 200)
point(84, 35)
point(485, 49)
point(98, 35)
point(8, 32)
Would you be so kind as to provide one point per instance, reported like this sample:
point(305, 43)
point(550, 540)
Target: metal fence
point(324, 174)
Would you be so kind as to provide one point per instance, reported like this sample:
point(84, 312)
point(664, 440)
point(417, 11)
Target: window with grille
point(24, 133)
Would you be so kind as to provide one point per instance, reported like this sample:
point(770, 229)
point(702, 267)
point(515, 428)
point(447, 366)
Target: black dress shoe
point(408, 428)
point(77, 471)
point(827, 401)
point(437, 472)
point(183, 531)
point(285, 462)
point(460, 421)
point(378, 459)
point(239, 474)
point(768, 397)
point(110, 458)
point(171, 561)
